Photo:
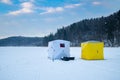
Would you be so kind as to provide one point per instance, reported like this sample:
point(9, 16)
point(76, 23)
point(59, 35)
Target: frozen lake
point(31, 63)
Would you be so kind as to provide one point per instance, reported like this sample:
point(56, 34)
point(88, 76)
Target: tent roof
point(91, 42)
point(59, 41)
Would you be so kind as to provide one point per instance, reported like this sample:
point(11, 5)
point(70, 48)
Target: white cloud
point(6, 1)
point(27, 7)
point(73, 5)
point(48, 10)
point(51, 10)
point(96, 3)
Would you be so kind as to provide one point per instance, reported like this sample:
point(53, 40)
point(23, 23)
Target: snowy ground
point(31, 63)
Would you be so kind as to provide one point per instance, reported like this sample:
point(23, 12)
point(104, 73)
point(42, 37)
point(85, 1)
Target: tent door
point(62, 45)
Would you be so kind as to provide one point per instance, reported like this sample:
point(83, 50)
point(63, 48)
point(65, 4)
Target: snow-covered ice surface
point(31, 63)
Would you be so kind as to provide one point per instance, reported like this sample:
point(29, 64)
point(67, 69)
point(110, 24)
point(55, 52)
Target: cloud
point(27, 7)
point(51, 10)
point(48, 10)
point(6, 1)
point(96, 3)
point(73, 5)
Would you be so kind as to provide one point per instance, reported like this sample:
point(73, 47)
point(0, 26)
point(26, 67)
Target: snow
point(31, 63)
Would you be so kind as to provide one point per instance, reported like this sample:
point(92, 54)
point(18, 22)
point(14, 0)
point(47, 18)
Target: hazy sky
point(40, 17)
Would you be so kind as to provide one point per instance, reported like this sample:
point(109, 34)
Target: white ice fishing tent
point(58, 49)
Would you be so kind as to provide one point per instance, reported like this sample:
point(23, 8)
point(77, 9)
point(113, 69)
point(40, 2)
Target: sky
point(38, 18)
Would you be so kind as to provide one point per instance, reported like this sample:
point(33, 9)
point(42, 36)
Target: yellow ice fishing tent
point(92, 50)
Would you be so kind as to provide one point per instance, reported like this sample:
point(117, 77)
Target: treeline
point(21, 41)
point(106, 29)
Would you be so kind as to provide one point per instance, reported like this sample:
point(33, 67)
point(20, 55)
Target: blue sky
point(36, 18)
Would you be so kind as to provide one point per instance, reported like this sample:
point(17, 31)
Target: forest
point(106, 29)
